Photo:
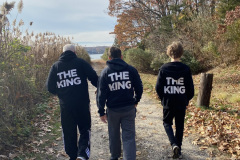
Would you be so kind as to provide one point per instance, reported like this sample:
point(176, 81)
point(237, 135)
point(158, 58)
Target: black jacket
point(119, 86)
point(68, 79)
point(175, 85)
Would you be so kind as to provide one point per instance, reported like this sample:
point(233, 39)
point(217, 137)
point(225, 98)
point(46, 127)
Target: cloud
point(85, 20)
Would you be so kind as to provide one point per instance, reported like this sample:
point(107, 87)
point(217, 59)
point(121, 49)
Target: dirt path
point(151, 139)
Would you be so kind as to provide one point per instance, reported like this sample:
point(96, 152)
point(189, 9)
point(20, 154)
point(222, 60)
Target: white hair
point(69, 47)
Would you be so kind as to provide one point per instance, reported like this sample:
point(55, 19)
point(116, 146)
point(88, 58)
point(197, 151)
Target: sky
point(86, 21)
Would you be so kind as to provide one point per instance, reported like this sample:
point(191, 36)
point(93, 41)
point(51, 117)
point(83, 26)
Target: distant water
point(94, 44)
point(95, 56)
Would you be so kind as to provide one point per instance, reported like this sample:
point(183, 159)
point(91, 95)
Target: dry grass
point(226, 87)
point(25, 60)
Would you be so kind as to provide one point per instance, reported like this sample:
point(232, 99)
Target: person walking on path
point(68, 80)
point(175, 88)
point(120, 88)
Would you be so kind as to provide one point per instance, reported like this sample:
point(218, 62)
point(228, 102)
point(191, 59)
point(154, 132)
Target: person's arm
point(159, 85)
point(137, 85)
point(102, 95)
point(51, 81)
point(91, 73)
point(190, 86)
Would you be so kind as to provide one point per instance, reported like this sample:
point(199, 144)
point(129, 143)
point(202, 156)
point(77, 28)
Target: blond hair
point(175, 50)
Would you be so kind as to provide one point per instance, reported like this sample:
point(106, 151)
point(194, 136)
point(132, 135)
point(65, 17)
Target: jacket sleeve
point(137, 85)
point(51, 83)
point(190, 86)
point(102, 94)
point(91, 74)
point(159, 85)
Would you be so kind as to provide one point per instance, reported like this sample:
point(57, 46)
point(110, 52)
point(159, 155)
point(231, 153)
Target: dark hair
point(114, 52)
point(175, 50)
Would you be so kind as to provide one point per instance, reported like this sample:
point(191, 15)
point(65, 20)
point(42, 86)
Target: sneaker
point(81, 158)
point(180, 156)
point(176, 151)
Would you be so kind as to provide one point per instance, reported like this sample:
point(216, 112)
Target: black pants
point(71, 118)
point(179, 115)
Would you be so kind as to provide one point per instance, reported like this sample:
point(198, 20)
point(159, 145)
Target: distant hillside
point(95, 50)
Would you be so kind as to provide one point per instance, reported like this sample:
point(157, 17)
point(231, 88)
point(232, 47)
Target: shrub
point(228, 37)
point(192, 62)
point(139, 58)
point(211, 48)
point(158, 61)
point(105, 55)
point(82, 53)
point(230, 46)
point(198, 37)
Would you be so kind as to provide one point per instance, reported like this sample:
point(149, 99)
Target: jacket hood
point(67, 56)
point(117, 64)
point(176, 68)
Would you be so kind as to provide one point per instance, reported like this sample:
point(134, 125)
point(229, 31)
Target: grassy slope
point(216, 127)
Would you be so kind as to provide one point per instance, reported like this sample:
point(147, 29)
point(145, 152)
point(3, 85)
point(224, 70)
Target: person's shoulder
point(165, 65)
point(130, 67)
point(105, 71)
point(185, 66)
point(80, 60)
point(55, 64)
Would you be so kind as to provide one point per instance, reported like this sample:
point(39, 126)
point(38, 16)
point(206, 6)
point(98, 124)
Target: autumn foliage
point(209, 31)
point(154, 24)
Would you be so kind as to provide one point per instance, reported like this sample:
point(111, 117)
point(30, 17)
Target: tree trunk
point(205, 90)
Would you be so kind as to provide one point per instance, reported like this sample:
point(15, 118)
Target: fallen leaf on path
point(203, 147)
point(138, 153)
point(143, 118)
point(222, 148)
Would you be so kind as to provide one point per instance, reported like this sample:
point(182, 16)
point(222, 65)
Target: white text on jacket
point(174, 86)
point(68, 78)
point(122, 84)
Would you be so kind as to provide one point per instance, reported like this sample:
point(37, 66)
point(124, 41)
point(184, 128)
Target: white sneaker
point(176, 151)
point(81, 158)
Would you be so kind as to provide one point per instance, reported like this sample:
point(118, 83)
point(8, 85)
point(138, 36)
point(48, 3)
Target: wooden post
point(205, 90)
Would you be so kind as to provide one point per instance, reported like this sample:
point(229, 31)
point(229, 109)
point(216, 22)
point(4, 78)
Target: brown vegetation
point(25, 59)
point(208, 29)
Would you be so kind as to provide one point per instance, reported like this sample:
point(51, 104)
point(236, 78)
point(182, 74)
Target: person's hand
point(104, 119)
point(136, 105)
